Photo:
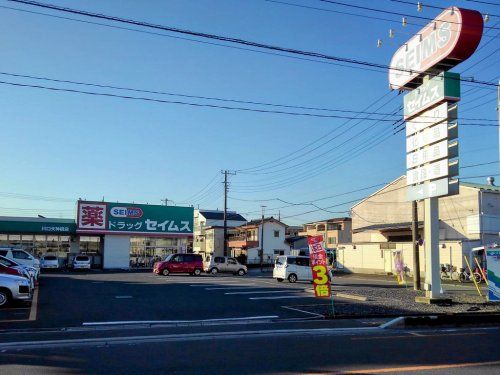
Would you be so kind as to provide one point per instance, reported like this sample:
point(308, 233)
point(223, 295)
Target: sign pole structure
point(416, 254)
point(431, 235)
point(421, 66)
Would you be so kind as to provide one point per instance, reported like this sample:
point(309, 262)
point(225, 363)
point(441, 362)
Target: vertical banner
point(493, 266)
point(319, 267)
point(399, 266)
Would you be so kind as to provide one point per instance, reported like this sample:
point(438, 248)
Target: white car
point(24, 271)
point(20, 256)
point(14, 288)
point(49, 261)
point(292, 268)
point(224, 264)
point(82, 262)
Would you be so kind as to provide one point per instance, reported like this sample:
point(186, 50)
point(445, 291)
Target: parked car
point(224, 264)
point(292, 268)
point(82, 262)
point(29, 272)
point(180, 263)
point(14, 288)
point(20, 256)
point(49, 261)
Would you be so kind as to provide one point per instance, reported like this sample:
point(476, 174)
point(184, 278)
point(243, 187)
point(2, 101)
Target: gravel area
point(398, 300)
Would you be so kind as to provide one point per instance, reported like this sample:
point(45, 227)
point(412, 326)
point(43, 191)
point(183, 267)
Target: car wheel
point(241, 272)
point(165, 272)
point(197, 272)
point(4, 297)
point(292, 278)
point(280, 280)
point(214, 271)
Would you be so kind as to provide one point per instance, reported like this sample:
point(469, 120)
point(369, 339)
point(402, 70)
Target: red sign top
point(449, 39)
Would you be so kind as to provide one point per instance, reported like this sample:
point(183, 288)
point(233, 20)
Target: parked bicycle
point(466, 276)
point(449, 272)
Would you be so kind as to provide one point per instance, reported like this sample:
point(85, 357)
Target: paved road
point(224, 351)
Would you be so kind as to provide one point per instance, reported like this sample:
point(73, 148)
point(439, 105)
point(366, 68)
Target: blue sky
point(68, 146)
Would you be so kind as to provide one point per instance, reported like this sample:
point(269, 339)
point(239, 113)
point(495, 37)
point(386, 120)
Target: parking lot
point(92, 298)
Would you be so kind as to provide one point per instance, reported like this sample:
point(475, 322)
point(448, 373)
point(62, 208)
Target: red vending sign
point(319, 267)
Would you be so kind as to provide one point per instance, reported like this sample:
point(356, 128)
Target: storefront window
point(145, 251)
point(89, 244)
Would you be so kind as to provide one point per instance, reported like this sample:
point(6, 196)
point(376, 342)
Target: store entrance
point(144, 252)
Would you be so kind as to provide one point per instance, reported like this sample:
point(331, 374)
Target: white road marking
point(234, 288)
point(283, 297)
point(179, 321)
point(207, 285)
point(122, 297)
point(266, 291)
point(302, 311)
point(34, 306)
point(127, 340)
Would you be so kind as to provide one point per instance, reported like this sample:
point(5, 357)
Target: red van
point(180, 263)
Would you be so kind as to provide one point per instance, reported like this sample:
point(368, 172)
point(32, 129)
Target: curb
point(453, 320)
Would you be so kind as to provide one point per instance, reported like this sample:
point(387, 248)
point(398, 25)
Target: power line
point(483, 2)
point(435, 7)
point(388, 12)
point(227, 39)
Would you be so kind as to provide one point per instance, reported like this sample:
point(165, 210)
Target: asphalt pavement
point(137, 322)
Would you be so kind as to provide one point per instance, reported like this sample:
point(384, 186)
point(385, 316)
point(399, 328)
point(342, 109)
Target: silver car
point(49, 261)
point(224, 264)
point(82, 262)
point(14, 288)
point(25, 271)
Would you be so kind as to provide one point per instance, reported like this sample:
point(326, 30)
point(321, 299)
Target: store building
point(116, 235)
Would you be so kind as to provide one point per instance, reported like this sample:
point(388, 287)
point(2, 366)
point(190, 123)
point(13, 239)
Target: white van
point(20, 256)
point(292, 268)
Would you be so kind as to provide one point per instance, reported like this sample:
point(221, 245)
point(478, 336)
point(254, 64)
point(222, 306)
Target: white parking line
point(34, 306)
point(234, 288)
point(207, 285)
point(283, 297)
point(302, 311)
point(266, 291)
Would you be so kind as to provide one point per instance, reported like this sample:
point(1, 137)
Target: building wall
point(116, 251)
point(378, 258)
point(337, 236)
point(458, 214)
point(271, 243)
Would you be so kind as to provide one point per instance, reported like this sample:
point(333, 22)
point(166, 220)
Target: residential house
point(267, 235)
point(334, 231)
point(208, 234)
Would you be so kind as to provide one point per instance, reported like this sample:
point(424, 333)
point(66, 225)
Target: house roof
point(332, 220)
point(379, 190)
point(481, 186)
point(257, 222)
point(388, 227)
point(219, 215)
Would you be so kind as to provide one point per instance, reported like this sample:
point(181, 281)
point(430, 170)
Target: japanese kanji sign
point(317, 258)
point(107, 217)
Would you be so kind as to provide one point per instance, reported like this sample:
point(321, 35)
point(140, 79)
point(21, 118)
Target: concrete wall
point(116, 251)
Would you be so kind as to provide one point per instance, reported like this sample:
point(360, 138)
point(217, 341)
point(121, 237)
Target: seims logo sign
point(128, 212)
point(449, 39)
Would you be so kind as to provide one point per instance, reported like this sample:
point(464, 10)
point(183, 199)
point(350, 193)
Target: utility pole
point(226, 189)
point(416, 255)
point(165, 201)
point(262, 239)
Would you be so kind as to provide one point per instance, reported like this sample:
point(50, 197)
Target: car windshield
point(82, 258)
point(8, 262)
point(49, 257)
point(168, 257)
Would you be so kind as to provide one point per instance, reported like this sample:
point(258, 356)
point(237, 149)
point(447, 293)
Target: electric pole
point(226, 189)
point(262, 239)
point(414, 237)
